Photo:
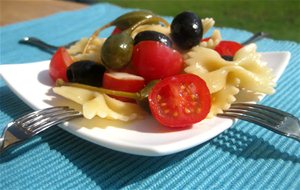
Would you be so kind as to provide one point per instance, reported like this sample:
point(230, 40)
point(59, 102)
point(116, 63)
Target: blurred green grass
point(280, 18)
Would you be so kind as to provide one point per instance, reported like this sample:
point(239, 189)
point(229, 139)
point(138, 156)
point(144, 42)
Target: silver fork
point(33, 123)
point(278, 121)
point(33, 41)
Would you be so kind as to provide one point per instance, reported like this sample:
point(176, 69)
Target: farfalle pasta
point(207, 23)
point(93, 52)
point(101, 105)
point(222, 99)
point(248, 71)
point(213, 41)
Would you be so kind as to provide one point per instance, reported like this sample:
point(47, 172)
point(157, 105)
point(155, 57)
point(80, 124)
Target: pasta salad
point(167, 69)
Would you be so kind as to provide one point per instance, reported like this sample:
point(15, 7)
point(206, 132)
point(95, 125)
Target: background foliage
point(280, 18)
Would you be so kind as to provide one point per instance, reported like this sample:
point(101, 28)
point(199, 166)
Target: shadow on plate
point(44, 78)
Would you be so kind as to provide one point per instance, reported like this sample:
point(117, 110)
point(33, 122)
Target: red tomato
point(59, 63)
point(154, 60)
point(116, 31)
point(228, 48)
point(180, 100)
point(128, 69)
point(123, 82)
point(205, 39)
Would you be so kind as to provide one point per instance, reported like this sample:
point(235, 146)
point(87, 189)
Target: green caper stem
point(96, 33)
point(132, 95)
point(146, 20)
point(94, 36)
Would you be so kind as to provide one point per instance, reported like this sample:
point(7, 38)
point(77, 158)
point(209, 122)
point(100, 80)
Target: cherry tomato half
point(228, 48)
point(59, 63)
point(153, 60)
point(180, 100)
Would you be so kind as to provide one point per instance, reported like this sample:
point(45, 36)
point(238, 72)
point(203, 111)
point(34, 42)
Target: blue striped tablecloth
point(244, 157)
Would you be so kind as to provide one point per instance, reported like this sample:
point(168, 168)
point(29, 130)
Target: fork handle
point(257, 36)
point(1, 144)
point(40, 44)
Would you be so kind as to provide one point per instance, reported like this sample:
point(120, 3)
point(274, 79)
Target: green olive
point(117, 50)
point(129, 19)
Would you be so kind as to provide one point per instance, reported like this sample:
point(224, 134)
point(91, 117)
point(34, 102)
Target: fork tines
point(42, 119)
point(258, 114)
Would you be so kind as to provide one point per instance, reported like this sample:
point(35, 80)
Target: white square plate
point(32, 84)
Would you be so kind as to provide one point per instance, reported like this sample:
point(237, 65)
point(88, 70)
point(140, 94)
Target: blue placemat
point(244, 157)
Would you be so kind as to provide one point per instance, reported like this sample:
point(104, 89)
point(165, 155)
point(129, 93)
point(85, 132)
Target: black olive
point(86, 72)
point(227, 58)
point(153, 36)
point(186, 30)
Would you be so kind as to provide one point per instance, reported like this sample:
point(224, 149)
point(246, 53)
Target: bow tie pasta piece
point(216, 80)
point(253, 74)
point(207, 58)
point(77, 95)
point(248, 58)
point(222, 99)
point(213, 41)
point(97, 104)
point(195, 67)
point(247, 71)
point(210, 77)
point(93, 52)
point(249, 80)
point(110, 108)
point(207, 23)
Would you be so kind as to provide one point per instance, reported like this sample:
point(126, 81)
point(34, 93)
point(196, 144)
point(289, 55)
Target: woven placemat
point(245, 156)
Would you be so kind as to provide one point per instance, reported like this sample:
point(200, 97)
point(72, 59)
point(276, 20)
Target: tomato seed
point(194, 103)
point(175, 114)
point(187, 110)
point(192, 87)
point(163, 104)
point(158, 97)
point(194, 97)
